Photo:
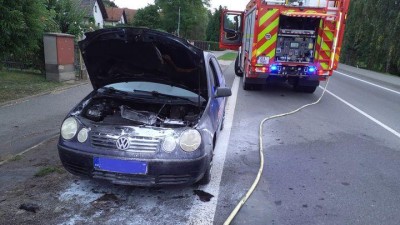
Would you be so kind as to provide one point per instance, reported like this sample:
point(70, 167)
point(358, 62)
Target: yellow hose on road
point(255, 183)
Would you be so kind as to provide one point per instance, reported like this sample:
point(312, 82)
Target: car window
point(150, 86)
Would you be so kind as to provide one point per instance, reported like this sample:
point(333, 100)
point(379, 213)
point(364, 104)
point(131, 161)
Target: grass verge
point(16, 158)
point(15, 84)
point(48, 170)
point(228, 56)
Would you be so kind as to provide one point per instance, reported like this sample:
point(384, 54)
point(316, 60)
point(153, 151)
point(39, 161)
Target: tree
point(67, 15)
point(193, 17)
point(109, 3)
point(213, 27)
point(22, 23)
point(371, 38)
point(147, 17)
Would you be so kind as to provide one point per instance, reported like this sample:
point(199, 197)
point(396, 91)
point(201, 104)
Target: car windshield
point(154, 87)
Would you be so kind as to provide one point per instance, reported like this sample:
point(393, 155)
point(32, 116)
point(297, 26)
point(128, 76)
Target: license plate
point(263, 60)
point(120, 166)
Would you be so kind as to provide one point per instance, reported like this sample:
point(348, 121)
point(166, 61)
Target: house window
point(95, 8)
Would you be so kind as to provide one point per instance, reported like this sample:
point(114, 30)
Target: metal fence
point(25, 62)
point(206, 45)
point(36, 62)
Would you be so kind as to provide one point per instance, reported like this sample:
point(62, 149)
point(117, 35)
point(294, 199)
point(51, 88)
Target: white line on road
point(203, 212)
point(375, 85)
point(365, 114)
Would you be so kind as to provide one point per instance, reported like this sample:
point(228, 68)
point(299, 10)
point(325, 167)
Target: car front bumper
point(160, 172)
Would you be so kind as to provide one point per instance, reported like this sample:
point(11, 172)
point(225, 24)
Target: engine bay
point(128, 112)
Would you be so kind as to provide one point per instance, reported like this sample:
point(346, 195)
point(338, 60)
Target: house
point(130, 14)
point(115, 16)
point(95, 12)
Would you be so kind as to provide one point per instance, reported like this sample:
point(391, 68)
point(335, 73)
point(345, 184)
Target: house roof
point(130, 14)
point(87, 7)
point(114, 14)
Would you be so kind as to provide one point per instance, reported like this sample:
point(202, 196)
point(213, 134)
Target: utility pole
point(179, 20)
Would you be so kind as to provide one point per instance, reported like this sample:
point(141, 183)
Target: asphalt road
point(328, 164)
point(27, 123)
point(333, 163)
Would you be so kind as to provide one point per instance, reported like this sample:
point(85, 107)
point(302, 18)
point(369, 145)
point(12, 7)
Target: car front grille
point(137, 144)
point(143, 180)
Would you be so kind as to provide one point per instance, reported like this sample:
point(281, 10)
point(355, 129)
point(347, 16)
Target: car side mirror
point(223, 92)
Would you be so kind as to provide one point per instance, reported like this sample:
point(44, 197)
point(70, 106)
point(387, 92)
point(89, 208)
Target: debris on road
point(30, 207)
point(204, 196)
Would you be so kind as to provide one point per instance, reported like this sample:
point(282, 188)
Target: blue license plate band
point(120, 166)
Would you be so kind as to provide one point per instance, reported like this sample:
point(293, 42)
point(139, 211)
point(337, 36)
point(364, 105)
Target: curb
point(16, 101)
point(29, 149)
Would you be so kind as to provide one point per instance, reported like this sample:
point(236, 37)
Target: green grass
point(48, 170)
point(228, 56)
point(15, 85)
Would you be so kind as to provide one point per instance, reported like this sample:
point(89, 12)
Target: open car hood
point(139, 54)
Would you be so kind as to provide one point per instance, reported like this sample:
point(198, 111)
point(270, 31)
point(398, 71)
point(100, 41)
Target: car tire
point(238, 72)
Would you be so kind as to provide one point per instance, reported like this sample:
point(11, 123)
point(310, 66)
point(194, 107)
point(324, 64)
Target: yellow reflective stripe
point(267, 30)
point(318, 43)
point(267, 16)
point(337, 55)
point(325, 47)
point(328, 34)
point(324, 66)
point(267, 45)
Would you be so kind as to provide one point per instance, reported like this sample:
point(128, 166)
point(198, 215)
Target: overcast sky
point(231, 4)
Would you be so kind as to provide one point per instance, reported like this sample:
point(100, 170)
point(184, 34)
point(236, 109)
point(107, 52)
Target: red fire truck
point(298, 41)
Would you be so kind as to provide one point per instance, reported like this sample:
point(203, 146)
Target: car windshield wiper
point(158, 94)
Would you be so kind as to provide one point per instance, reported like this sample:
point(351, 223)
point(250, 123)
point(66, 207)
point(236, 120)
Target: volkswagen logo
point(123, 143)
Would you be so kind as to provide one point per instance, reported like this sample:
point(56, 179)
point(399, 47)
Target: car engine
point(123, 112)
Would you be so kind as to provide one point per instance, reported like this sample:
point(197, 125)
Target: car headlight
point(69, 128)
point(83, 135)
point(169, 144)
point(190, 140)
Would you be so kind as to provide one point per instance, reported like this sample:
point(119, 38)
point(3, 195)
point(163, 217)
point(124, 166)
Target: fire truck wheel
point(238, 72)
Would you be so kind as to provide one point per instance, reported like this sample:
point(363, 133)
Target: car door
point(217, 104)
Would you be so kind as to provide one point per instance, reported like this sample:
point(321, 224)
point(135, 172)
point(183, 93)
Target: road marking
point(203, 212)
point(365, 114)
point(375, 85)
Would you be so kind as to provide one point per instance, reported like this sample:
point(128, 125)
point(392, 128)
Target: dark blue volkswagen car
point(155, 114)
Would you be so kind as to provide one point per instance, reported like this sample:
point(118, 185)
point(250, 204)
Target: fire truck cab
point(298, 41)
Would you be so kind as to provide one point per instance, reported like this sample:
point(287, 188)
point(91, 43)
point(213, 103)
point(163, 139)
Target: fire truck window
point(287, 22)
point(232, 26)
